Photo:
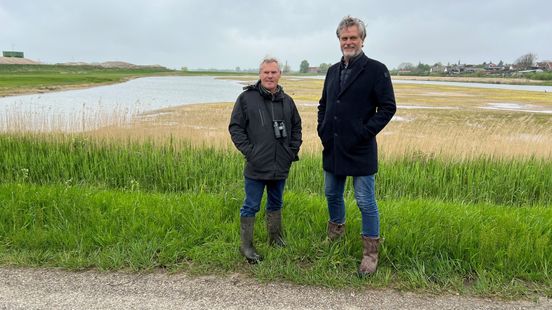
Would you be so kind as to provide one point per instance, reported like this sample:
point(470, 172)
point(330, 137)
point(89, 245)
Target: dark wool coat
point(252, 131)
point(350, 118)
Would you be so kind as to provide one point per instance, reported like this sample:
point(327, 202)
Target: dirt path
point(23, 288)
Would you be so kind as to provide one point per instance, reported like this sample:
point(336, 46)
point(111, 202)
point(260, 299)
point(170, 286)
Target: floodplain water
point(86, 109)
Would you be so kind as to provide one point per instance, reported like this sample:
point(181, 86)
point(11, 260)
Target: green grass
point(544, 76)
point(429, 245)
point(180, 167)
point(481, 226)
point(14, 78)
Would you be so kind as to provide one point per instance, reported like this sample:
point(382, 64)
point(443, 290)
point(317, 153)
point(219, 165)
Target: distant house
point(465, 68)
point(313, 70)
point(438, 69)
point(13, 54)
point(472, 69)
point(492, 67)
point(456, 69)
point(545, 65)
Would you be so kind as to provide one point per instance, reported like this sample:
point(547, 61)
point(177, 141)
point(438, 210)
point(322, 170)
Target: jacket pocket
point(323, 133)
point(352, 135)
point(249, 153)
point(284, 157)
point(359, 129)
point(262, 158)
point(288, 150)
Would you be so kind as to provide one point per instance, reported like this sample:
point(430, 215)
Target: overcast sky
point(228, 34)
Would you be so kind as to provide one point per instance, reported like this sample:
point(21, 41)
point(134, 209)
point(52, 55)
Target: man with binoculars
point(265, 127)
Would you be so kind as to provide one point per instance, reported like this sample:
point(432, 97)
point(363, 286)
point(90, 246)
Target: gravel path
point(23, 288)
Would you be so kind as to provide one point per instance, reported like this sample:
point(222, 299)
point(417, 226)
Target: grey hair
point(349, 21)
point(267, 60)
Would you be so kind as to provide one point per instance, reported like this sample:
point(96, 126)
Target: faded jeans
point(365, 195)
point(254, 190)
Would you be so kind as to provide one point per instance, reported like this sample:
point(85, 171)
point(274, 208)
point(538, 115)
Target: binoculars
point(279, 129)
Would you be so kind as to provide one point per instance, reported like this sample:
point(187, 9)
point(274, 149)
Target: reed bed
point(453, 123)
point(89, 119)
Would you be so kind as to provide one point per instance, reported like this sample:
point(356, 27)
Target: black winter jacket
point(252, 131)
point(350, 117)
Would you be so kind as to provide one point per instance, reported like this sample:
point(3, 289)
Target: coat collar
point(356, 69)
point(352, 61)
point(277, 96)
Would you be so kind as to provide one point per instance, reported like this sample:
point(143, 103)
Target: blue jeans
point(365, 195)
point(254, 190)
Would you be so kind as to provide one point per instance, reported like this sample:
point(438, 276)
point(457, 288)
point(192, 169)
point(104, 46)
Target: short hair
point(349, 21)
point(267, 60)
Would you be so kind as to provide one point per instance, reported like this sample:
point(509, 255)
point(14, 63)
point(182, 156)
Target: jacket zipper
point(261, 114)
point(276, 142)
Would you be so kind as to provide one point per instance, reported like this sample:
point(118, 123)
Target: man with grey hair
point(357, 103)
point(265, 127)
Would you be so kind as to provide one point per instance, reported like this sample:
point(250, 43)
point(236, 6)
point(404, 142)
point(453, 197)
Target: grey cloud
point(225, 34)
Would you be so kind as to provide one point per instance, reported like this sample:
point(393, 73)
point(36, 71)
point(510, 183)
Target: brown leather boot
point(274, 228)
point(335, 231)
point(369, 261)
point(247, 249)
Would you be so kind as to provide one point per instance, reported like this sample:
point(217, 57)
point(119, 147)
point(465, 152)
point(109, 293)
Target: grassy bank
point(15, 79)
point(20, 79)
point(429, 245)
point(478, 226)
point(180, 167)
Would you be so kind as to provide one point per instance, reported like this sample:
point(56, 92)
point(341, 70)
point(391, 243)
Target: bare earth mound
point(17, 61)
